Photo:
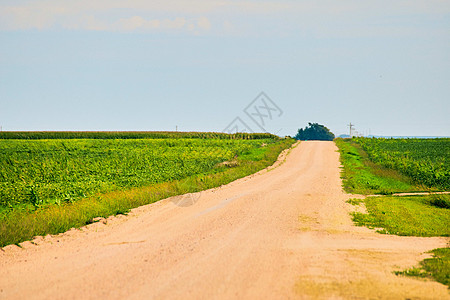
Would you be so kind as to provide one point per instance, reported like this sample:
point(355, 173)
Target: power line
point(351, 126)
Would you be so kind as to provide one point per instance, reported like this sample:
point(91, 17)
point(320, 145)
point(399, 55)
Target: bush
point(440, 201)
point(314, 131)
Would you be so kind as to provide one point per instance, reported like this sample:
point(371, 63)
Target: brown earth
point(280, 234)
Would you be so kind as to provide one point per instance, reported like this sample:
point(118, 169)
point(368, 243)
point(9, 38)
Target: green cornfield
point(426, 161)
point(38, 135)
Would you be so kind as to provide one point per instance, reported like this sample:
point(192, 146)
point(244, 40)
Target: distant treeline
point(40, 135)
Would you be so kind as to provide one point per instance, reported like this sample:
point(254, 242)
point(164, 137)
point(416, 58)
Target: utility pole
point(351, 127)
point(176, 127)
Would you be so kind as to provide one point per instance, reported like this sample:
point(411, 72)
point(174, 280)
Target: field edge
point(375, 216)
point(24, 226)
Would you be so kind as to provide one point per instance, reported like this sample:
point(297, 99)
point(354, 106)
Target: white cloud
point(131, 23)
point(52, 15)
point(23, 17)
point(203, 23)
point(317, 16)
point(90, 23)
point(191, 27)
point(178, 23)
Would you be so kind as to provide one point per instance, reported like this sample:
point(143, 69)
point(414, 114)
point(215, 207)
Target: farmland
point(40, 172)
point(45, 135)
point(425, 161)
point(250, 226)
point(387, 166)
point(52, 185)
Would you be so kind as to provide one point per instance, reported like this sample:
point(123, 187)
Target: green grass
point(361, 176)
point(412, 216)
point(437, 267)
point(396, 165)
point(407, 216)
point(23, 224)
point(441, 201)
point(354, 201)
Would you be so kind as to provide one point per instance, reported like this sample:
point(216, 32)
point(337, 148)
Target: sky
point(207, 65)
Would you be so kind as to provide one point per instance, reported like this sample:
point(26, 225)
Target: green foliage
point(412, 216)
point(426, 161)
point(38, 172)
point(414, 272)
point(314, 131)
point(75, 209)
point(441, 201)
point(39, 135)
point(361, 176)
point(437, 267)
point(355, 201)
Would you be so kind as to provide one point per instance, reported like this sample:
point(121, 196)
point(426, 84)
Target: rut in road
point(279, 234)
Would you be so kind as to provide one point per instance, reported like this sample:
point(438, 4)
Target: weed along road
point(279, 234)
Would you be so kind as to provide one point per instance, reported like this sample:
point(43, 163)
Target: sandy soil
point(281, 234)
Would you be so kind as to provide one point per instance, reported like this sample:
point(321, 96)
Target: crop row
point(37, 172)
point(38, 135)
point(426, 161)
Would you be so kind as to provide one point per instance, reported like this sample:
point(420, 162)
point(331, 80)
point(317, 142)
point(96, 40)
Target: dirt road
point(280, 234)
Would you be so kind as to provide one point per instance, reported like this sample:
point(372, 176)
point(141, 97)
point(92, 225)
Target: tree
point(314, 131)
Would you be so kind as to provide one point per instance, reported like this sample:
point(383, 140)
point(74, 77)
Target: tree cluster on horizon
point(314, 131)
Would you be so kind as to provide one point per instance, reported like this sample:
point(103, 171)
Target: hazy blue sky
point(196, 64)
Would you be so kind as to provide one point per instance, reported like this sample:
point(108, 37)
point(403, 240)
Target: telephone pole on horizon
point(351, 127)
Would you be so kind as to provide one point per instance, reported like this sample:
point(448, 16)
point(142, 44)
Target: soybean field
point(39, 172)
point(425, 161)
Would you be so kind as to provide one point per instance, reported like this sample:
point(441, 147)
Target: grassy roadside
point(412, 216)
point(406, 216)
point(361, 176)
point(436, 267)
point(20, 226)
